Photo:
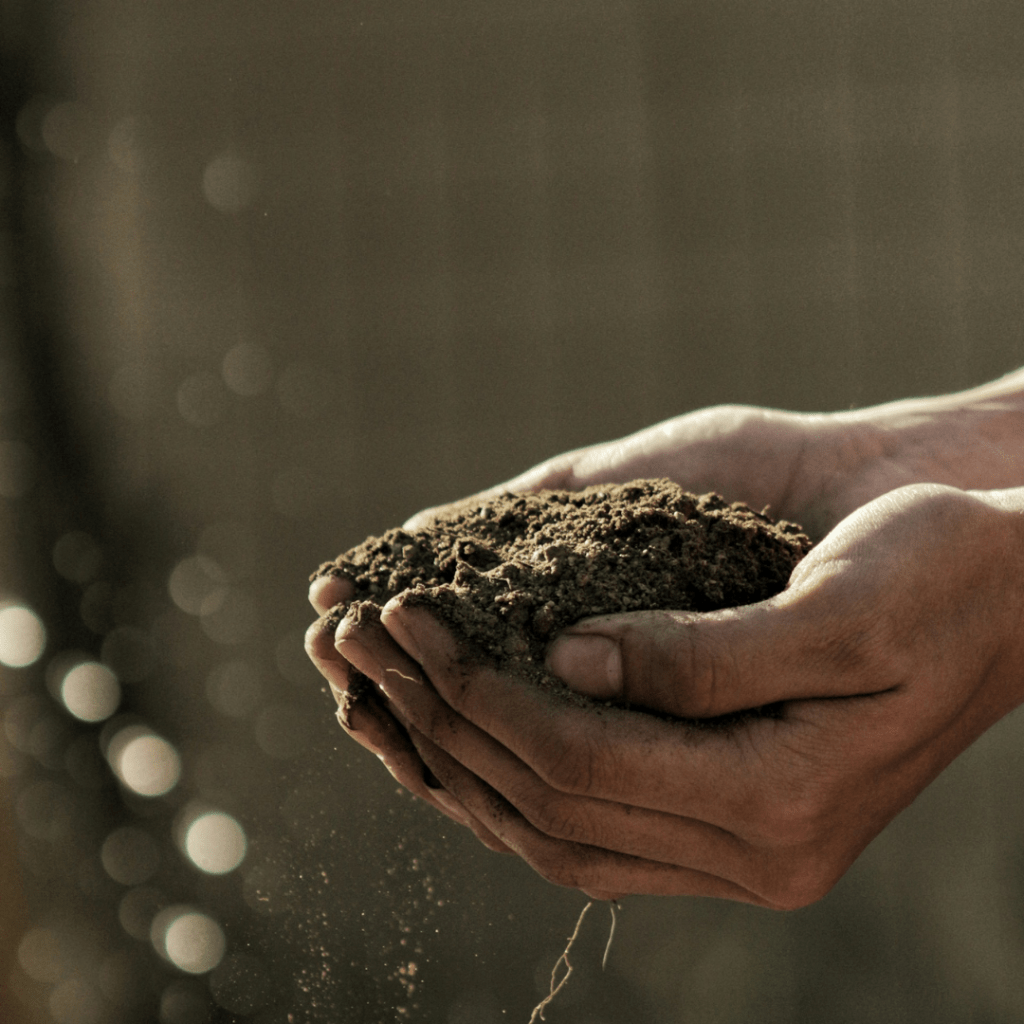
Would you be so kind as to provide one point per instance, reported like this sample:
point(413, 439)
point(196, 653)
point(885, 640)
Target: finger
point(367, 646)
point(686, 449)
point(771, 782)
point(654, 835)
point(605, 824)
point(716, 775)
point(329, 590)
point(371, 726)
point(571, 864)
point(362, 712)
point(652, 452)
point(363, 716)
point(788, 867)
point(319, 644)
point(807, 642)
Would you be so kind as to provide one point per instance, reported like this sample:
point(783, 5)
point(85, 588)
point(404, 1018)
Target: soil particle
point(509, 573)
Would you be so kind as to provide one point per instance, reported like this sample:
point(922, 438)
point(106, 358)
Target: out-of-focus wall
point(323, 264)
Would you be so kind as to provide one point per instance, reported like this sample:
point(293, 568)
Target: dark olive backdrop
point(320, 264)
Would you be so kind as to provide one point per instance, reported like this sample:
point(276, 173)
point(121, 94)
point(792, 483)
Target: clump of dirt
point(509, 573)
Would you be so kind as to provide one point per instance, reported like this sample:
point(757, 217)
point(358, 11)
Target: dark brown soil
point(508, 574)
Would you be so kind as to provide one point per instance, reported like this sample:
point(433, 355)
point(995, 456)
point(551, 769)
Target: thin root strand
point(613, 907)
point(557, 986)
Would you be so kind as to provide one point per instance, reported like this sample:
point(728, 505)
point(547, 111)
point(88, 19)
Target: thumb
point(701, 665)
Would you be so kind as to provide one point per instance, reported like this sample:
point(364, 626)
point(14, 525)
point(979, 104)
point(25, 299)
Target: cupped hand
point(811, 468)
point(896, 644)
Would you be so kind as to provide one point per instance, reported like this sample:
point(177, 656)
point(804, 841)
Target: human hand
point(810, 468)
point(894, 646)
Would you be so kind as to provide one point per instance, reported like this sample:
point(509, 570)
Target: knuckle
point(566, 764)
point(702, 675)
point(556, 819)
point(705, 673)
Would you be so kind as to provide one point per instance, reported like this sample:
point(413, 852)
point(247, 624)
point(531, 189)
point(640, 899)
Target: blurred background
point(273, 276)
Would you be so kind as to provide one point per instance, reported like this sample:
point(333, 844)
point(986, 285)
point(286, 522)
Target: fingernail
point(450, 804)
point(344, 717)
point(392, 619)
point(328, 590)
point(357, 655)
point(390, 765)
point(587, 663)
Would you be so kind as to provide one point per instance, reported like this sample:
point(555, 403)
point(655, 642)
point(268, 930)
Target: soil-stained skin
point(509, 573)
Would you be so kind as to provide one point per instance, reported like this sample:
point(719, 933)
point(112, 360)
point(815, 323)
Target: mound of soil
point(509, 573)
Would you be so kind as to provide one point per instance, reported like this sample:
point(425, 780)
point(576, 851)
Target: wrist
point(1008, 668)
point(970, 439)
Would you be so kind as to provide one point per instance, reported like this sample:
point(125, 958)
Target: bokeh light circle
point(247, 369)
point(77, 557)
point(146, 763)
point(90, 691)
point(75, 1001)
point(193, 941)
point(22, 636)
point(67, 130)
point(41, 955)
point(185, 1002)
point(215, 842)
point(234, 688)
point(197, 585)
point(230, 184)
